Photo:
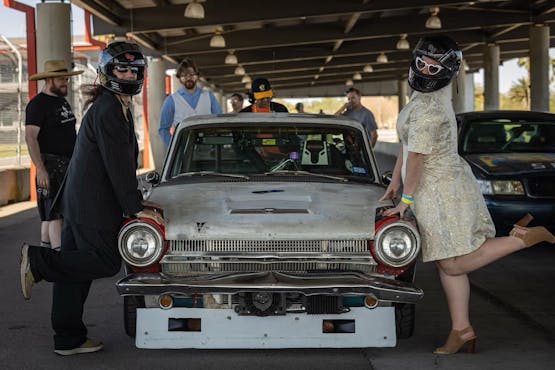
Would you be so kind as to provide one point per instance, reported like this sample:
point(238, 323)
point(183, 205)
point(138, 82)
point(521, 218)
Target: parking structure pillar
point(539, 67)
point(402, 93)
point(491, 77)
point(54, 38)
point(469, 92)
point(156, 92)
point(459, 88)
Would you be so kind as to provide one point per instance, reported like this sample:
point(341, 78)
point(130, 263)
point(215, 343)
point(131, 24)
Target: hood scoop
point(273, 211)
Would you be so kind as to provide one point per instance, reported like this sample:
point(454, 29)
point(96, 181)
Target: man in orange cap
point(261, 98)
point(50, 136)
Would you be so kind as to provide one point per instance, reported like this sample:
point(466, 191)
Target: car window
point(247, 150)
point(498, 136)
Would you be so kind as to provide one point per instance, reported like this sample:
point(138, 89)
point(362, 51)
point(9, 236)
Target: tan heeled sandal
point(525, 220)
point(532, 235)
point(455, 342)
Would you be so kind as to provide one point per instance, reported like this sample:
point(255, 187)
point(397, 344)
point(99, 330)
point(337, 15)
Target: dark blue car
point(512, 154)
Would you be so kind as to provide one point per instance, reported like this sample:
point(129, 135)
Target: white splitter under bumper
point(223, 328)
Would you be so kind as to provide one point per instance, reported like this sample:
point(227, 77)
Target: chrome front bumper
point(348, 283)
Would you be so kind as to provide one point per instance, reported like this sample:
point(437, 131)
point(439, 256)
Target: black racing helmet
point(442, 49)
point(121, 53)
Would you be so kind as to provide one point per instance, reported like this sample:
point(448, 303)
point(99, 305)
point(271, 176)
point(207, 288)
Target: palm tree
point(520, 92)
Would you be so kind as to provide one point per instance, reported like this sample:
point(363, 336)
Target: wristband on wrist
point(407, 199)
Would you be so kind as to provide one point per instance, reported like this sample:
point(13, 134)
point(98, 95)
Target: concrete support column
point(155, 95)
point(175, 83)
point(402, 88)
point(459, 87)
point(54, 37)
point(539, 68)
point(491, 77)
point(469, 92)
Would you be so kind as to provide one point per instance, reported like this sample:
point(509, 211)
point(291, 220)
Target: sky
point(12, 24)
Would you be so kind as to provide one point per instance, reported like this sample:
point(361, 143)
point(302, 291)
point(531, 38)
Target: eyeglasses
point(124, 69)
point(433, 69)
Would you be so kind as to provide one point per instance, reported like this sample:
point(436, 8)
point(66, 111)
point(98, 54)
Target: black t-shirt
point(274, 107)
point(56, 121)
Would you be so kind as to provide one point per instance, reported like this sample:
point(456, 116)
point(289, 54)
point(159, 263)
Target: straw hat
point(54, 68)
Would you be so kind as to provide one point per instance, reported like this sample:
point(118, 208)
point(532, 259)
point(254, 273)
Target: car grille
point(541, 186)
point(187, 257)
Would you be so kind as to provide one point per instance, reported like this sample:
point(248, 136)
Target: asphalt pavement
point(511, 309)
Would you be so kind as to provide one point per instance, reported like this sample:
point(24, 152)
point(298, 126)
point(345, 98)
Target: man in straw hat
point(50, 136)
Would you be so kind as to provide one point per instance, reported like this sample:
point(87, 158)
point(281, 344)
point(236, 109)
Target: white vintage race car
point(273, 238)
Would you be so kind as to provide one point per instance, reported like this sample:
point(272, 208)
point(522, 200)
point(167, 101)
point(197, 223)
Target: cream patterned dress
point(448, 204)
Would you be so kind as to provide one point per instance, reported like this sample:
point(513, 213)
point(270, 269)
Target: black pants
point(86, 254)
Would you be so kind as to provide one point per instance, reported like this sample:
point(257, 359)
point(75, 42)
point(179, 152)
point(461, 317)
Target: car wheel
point(130, 305)
point(405, 315)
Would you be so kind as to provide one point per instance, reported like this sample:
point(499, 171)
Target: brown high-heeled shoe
point(455, 342)
point(532, 235)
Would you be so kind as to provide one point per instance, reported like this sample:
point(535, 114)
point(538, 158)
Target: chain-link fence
point(13, 150)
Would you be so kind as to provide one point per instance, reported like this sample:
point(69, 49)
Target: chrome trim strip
point(346, 283)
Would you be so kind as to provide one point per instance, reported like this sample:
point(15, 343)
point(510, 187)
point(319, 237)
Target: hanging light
point(316, 77)
point(231, 58)
point(357, 76)
point(382, 58)
point(246, 79)
point(239, 70)
point(217, 41)
point(349, 82)
point(433, 22)
point(248, 85)
point(368, 68)
point(403, 43)
point(194, 10)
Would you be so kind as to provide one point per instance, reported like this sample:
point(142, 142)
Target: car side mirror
point(387, 176)
point(152, 177)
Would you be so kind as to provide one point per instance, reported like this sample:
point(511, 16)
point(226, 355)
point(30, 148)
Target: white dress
point(449, 207)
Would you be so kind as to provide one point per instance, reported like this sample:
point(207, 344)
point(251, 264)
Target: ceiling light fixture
point(368, 68)
point(239, 70)
point(403, 43)
point(194, 10)
point(433, 22)
point(248, 85)
point(217, 41)
point(349, 82)
point(357, 76)
point(382, 58)
point(231, 58)
point(246, 79)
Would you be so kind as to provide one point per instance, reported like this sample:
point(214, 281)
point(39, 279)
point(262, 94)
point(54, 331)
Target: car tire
point(405, 315)
point(130, 305)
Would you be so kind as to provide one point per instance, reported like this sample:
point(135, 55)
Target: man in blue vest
point(189, 100)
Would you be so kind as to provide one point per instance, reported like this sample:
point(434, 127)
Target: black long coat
point(101, 182)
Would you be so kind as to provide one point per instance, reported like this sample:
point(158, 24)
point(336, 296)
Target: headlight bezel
point(143, 225)
point(396, 225)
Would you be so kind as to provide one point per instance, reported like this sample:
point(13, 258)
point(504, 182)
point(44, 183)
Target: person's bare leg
point(55, 233)
point(491, 250)
point(457, 293)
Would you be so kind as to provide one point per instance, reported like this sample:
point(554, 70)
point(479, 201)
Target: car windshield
point(505, 135)
point(322, 152)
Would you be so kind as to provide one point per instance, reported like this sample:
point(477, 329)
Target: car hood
point(268, 211)
point(512, 163)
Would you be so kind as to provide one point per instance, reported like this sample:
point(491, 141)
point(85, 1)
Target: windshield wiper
point(289, 172)
point(212, 173)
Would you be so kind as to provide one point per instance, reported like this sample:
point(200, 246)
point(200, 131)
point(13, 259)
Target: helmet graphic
point(121, 53)
point(442, 49)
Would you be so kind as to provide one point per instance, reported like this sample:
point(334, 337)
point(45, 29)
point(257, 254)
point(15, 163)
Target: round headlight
point(140, 244)
point(397, 244)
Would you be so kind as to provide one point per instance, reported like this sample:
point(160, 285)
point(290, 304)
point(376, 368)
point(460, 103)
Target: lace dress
point(449, 207)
